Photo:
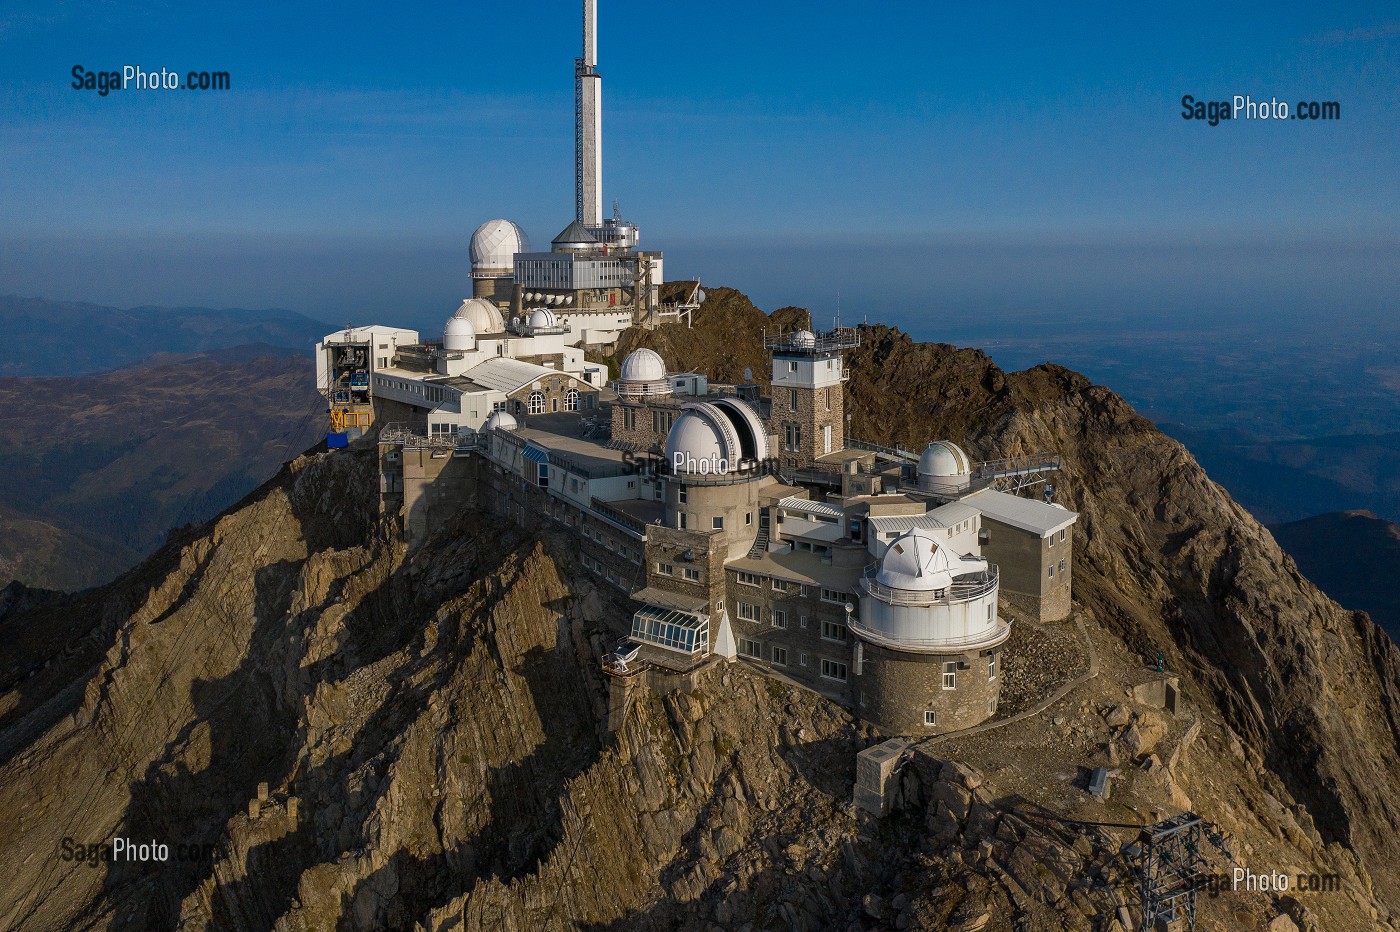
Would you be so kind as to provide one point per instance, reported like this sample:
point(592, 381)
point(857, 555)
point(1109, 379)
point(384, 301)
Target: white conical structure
point(725, 646)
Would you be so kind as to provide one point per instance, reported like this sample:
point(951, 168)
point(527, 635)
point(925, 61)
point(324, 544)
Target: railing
point(1018, 465)
point(842, 338)
point(931, 645)
point(399, 432)
point(984, 583)
point(619, 516)
point(893, 452)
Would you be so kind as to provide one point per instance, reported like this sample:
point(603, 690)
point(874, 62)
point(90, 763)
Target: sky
point(927, 163)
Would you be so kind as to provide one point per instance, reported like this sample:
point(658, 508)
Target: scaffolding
point(1171, 870)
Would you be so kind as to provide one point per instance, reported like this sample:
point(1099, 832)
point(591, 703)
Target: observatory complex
point(740, 526)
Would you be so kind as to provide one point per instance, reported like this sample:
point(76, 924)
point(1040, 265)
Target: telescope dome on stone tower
point(944, 467)
point(482, 315)
point(501, 420)
point(494, 246)
point(716, 438)
point(643, 374)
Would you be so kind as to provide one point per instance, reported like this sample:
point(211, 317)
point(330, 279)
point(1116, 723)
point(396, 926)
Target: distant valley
point(1354, 557)
point(127, 423)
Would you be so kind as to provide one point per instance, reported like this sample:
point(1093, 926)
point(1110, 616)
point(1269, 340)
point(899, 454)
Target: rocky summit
point(319, 729)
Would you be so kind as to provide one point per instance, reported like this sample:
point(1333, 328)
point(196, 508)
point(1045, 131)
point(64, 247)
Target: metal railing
point(619, 516)
point(401, 433)
point(956, 592)
point(1018, 465)
point(842, 338)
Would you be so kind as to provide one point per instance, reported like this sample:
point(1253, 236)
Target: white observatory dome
point(915, 562)
point(944, 459)
point(805, 339)
point(482, 315)
point(542, 319)
point(494, 245)
point(459, 335)
point(716, 438)
point(500, 420)
point(643, 365)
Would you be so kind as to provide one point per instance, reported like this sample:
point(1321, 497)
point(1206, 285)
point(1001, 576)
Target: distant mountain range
point(45, 337)
point(1281, 481)
point(1354, 557)
point(98, 467)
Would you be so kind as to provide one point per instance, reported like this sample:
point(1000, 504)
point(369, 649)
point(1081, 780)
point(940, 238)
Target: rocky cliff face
point(430, 727)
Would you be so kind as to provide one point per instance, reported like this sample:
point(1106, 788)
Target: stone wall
point(812, 415)
point(895, 689)
point(799, 635)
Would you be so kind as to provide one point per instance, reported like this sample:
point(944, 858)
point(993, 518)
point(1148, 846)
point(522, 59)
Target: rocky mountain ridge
point(431, 729)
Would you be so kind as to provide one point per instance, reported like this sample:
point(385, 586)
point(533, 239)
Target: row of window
point(688, 573)
point(778, 657)
point(1061, 536)
point(1051, 569)
point(535, 403)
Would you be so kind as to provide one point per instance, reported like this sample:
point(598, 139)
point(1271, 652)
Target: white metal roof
point(944, 516)
point(808, 507)
point(506, 375)
point(1027, 514)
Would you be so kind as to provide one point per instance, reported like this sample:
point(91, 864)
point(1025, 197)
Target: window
point(832, 631)
point(950, 675)
point(1052, 571)
point(717, 524)
point(750, 579)
point(748, 611)
point(780, 656)
point(792, 367)
point(804, 659)
point(1062, 535)
point(802, 621)
point(930, 718)
point(992, 705)
point(833, 595)
point(691, 574)
point(681, 520)
point(828, 393)
point(1052, 540)
point(554, 404)
point(543, 480)
point(750, 648)
point(989, 613)
point(571, 400)
point(1062, 566)
point(832, 670)
point(792, 437)
point(779, 585)
point(536, 402)
point(779, 618)
point(792, 399)
point(680, 496)
point(573, 485)
point(748, 518)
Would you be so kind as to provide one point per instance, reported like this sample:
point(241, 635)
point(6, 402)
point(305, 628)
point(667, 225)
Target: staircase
point(760, 545)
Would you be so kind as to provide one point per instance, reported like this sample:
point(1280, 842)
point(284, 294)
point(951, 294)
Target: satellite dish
point(748, 374)
point(700, 297)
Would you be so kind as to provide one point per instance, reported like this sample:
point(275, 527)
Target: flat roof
point(560, 433)
point(1025, 514)
point(800, 566)
point(823, 531)
point(663, 598)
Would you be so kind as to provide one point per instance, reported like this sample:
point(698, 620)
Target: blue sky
point(1009, 157)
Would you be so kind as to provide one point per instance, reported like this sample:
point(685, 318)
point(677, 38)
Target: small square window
point(930, 718)
point(717, 524)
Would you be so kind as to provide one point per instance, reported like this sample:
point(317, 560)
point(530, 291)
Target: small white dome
point(459, 335)
point(482, 314)
point(494, 245)
point(915, 561)
point(716, 438)
point(643, 365)
point(944, 459)
point(805, 339)
point(543, 318)
point(501, 420)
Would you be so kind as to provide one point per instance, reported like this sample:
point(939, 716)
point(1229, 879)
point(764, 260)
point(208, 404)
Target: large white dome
point(482, 314)
point(716, 438)
point(542, 319)
point(915, 561)
point(494, 245)
point(459, 335)
point(944, 459)
point(643, 365)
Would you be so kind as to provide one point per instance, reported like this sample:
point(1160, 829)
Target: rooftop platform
point(802, 567)
point(562, 434)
